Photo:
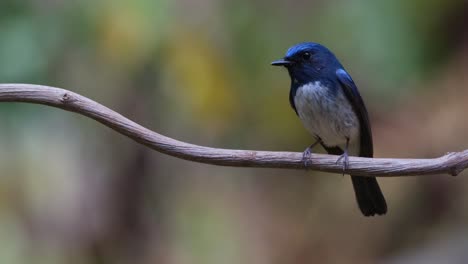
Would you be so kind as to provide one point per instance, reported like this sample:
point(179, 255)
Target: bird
point(328, 103)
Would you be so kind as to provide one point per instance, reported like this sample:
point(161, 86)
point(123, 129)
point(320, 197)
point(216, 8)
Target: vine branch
point(451, 163)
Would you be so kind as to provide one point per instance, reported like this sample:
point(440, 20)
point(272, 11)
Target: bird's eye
point(306, 55)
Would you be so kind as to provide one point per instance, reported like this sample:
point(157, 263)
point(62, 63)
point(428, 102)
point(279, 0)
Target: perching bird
point(330, 107)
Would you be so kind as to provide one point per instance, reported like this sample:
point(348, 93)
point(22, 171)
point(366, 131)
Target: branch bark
point(451, 163)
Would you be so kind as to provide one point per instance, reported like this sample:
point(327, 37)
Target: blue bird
point(330, 107)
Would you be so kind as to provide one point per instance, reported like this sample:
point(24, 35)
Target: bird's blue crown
point(305, 46)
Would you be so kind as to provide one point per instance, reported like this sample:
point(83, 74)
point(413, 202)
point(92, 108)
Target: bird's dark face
point(307, 62)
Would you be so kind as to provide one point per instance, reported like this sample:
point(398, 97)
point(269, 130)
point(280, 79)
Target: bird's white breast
point(326, 114)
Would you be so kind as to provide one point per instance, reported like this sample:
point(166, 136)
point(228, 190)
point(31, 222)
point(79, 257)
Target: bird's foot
point(308, 152)
point(306, 156)
point(345, 159)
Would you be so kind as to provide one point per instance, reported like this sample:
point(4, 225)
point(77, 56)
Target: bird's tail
point(369, 196)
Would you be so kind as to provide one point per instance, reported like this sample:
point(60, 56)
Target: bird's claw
point(306, 156)
point(345, 159)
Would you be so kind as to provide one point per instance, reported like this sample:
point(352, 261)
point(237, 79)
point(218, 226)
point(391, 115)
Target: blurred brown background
point(73, 191)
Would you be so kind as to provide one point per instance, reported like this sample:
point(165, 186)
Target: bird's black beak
point(281, 62)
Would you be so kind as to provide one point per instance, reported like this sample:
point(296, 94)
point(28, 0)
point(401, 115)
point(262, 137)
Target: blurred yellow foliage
point(202, 77)
point(127, 34)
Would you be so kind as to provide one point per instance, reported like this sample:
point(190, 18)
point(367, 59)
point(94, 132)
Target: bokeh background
point(73, 191)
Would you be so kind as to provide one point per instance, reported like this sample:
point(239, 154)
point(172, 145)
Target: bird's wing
point(353, 96)
point(292, 93)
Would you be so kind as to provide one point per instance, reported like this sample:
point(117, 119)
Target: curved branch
point(452, 163)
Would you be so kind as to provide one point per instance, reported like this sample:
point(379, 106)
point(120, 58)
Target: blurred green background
point(73, 191)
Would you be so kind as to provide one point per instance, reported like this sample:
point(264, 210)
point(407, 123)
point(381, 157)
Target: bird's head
point(308, 61)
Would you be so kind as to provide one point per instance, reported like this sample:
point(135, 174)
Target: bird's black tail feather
point(369, 196)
